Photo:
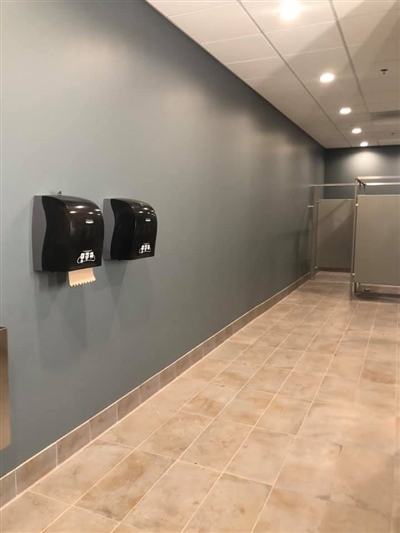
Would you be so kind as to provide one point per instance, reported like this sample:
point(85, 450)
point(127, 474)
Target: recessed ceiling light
point(289, 9)
point(363, 144)
point(327, 77)
point(345, 110)
point(356, 131)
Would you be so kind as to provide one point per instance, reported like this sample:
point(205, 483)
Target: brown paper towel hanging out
point(80, 277)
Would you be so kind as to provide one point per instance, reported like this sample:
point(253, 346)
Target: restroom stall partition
point(331, 232)
point(375, 266)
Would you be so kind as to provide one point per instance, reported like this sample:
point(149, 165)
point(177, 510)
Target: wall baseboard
point(28, 473)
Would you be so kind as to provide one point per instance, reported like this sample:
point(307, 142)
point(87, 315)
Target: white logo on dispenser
point(86, 256)
point(145, 248)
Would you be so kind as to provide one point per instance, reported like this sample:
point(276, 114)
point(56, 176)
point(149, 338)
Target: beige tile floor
point(290, 426)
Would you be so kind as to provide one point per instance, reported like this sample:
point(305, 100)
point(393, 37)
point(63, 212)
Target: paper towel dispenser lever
point(67, 233)
point(130, 229)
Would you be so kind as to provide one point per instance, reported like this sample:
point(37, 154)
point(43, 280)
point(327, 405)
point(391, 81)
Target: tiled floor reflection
point(291, 426)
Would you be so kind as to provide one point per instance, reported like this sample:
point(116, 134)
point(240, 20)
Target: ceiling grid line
point(286, 49)
point(292, 71)
point(348, 53)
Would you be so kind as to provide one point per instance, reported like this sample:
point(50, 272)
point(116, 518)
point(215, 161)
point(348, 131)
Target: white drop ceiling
point(283, 59)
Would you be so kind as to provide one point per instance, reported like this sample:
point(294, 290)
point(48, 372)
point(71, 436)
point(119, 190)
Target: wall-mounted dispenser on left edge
point(67, 236)
point(4, 396)
point(130, 229)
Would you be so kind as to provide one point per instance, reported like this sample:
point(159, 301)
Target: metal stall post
point(314, 232)
point(352, 289)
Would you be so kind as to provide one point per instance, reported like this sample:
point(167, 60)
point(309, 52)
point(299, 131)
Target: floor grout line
point(101, 438)
point(366, 349)
point(254, 427)
point(396, 488)
point(251, 430)
point(294, 440)
point(244, 385)
point(132, 450)
point(212, 419)
point(295, 309)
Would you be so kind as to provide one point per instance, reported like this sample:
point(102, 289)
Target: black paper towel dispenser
point(130, 229)
point(67, 233)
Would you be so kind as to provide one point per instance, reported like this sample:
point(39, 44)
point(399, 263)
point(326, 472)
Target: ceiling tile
point(384, 106)
point(364, 135)
point(363, 55)
point(337, 92)
point(258, 68)
point(216, 24)
point(303, 110)
point(382, 97)
point(293, 119)
point(394, 141)
point(334, 100)
point(393, 135)
point(299, 120)
point(356, 120)
point(356, 140)
point(267, 84)
point(310, 65)
point(241, 49)
point(372, 27)
point(378, 70)
point(372, 141)
point(176, 7)
point(318, 118)
point(311, 44)
point(329, 137)
point(281, 82)
point(387, 124)
point(266, 14)
point(353, 8)
point(383, 84)
point(315, 136)
point(336, 144)
point(355, 108)
point(291, 113)
point(324, 131)
point(306, 39)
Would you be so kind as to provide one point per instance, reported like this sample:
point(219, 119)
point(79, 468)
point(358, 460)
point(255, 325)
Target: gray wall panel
point(109, 99)
point(377, 250)
point(345, 164)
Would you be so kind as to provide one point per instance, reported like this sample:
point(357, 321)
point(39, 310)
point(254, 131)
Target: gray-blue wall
point(109, 99)
point(344, 165)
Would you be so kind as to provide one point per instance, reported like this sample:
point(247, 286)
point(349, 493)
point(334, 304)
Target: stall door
point(377, 249)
